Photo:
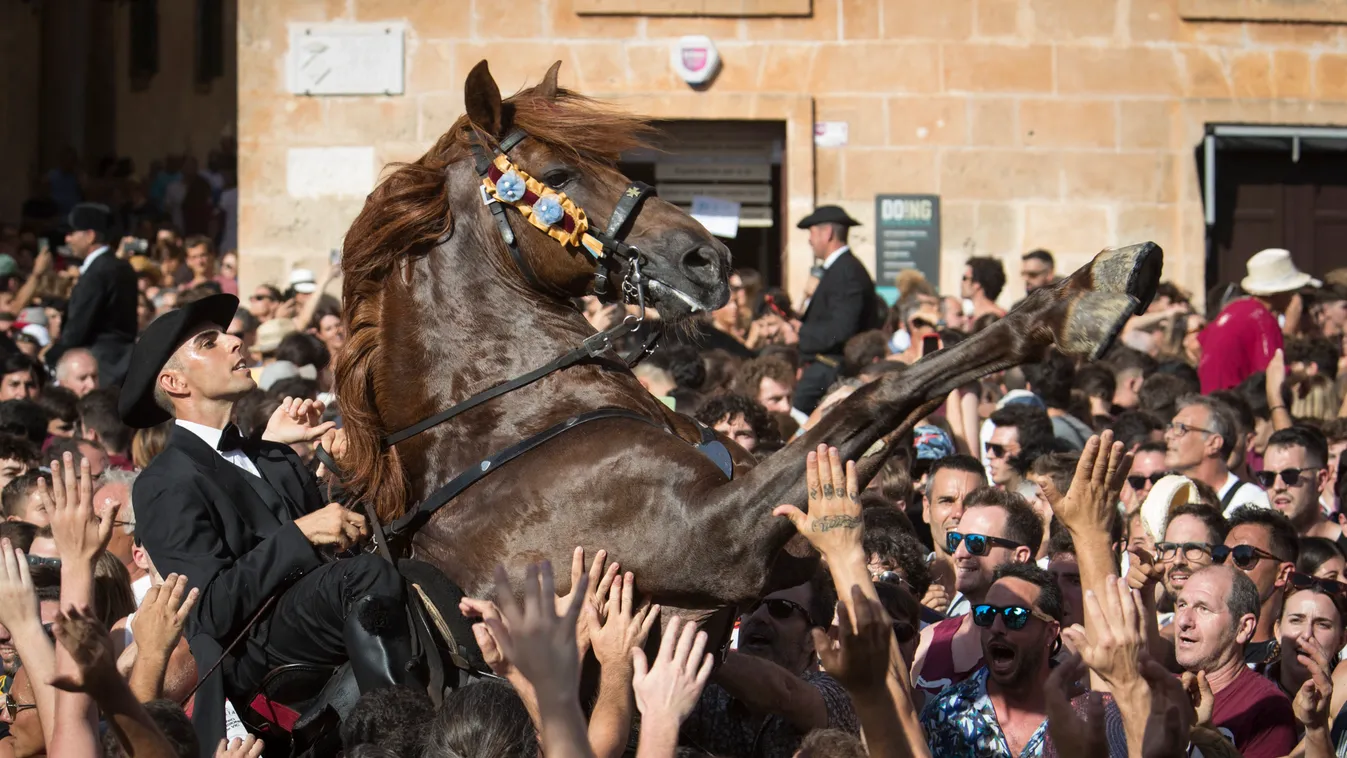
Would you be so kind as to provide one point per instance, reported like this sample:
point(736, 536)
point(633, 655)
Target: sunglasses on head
point(1301, 581)
point(782, 609)
point(1289, 475)
point(1139, 482)
point(977, 544)
point(1246, 556)
point(1013, 616)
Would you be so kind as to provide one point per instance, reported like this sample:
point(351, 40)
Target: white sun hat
point(1272, 271)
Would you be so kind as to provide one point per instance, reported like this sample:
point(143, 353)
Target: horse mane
point(406, 216)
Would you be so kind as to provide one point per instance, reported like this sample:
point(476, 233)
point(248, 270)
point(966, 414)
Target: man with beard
point(1214, 618)
point(1000, 710)
point(997, 527)
point(1295, 473)
point(769, 693)
point(1263, 545)
point(950, 479)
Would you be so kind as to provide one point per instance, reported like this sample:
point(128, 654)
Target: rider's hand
point(333, 525)
point(297, 420)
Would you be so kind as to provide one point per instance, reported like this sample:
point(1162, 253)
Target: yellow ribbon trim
point(578, 237)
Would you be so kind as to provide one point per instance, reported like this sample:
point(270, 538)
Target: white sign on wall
point(831, 133)
point(345, 59)
point(329, 171)
point(720, 217)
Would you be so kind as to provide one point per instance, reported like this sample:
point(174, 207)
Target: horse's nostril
point(699, 259)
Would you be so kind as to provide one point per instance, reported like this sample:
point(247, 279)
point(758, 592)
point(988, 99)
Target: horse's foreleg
point(1080, 315)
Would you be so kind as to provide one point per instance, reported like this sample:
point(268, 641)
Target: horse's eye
point(557, 179)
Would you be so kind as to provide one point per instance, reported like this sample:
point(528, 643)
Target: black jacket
point(844, 305)
point(101, 316)
point(233, 537)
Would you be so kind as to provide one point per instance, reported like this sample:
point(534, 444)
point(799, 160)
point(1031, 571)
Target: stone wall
point(1065, 124)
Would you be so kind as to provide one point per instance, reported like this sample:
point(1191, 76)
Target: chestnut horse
point(439, 310)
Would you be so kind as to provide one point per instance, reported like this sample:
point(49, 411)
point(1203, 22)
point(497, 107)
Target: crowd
point(1142, 555)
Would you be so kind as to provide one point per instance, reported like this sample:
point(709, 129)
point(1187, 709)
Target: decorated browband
point(545, 208)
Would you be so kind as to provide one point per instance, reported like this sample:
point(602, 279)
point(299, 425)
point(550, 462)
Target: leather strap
point(619, 223)
point(441, 497)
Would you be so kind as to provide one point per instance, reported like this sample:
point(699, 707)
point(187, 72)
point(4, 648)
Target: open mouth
point(694, 305)
point(1184, 640)
point(242, 365)
point(1000, 656)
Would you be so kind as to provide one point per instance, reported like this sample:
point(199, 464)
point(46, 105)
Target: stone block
point(1218, 33)
point(1291, 74)
point(1000, 231)
point(993, 122)
point(1066, 228)
point(819, 26)
point(917, 19)
point(786, 64)
point(437, 114)
point(829, 182)
point(865, 117)
point(740, 67)
point(1251, 74)
point(1116, 71)
point(928, 121)
point(672, 27)
point(1065, 20)
point(861, 19)
point(283, 118)
point(1069, 123)
point(1204, 74)
point(1147, 124)
point(1137, 177)
point(515, 72)
point(1154, 21)
point(388, 154)
point(504, 19)
point(424, 20)
point(876, 67)
point(430, 68)
point(1330, 76)
point(989, 67)
point(869, 172)
point(958, 222)
point(365, 120)
point(979, 174)
point(599, 67)
point(564, 22)
point(1299, 36)
point(648, 68)
point(261, 170)
point(1000, 18)
point(1143, 223)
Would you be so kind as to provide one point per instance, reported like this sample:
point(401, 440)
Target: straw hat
point(270, 334)
point(1165, 495)
point(1272, 271)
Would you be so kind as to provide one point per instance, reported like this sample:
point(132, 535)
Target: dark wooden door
point(1264, 199)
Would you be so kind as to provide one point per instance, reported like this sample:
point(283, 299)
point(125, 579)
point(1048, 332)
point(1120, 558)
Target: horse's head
point(548, 157)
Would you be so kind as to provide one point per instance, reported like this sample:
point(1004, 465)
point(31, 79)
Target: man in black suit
point(244, 521)
point(101, 315)
point(843, 304)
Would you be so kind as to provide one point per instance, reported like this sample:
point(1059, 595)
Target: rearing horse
point(439, 310)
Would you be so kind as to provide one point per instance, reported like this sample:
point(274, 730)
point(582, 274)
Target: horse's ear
point(481, 97)
point(547, 88)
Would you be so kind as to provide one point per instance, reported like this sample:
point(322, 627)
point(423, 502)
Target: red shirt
point(1256, 715)
point(1238, 344)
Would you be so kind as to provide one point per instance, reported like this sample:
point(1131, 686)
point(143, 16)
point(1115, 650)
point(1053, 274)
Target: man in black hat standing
point(245, 522)
point(843, 305)
point(101, 315)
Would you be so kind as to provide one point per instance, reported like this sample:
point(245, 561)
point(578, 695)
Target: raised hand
point(1143, 570)
point(599, 580)
point(80, 533)
point(1113, 637)
point(936, 598)
point(1200, 696)
point(833, 523)
point(532, 636)
point(860, 657)
point(1090, 502)
point(248, 747)
point(297, 420)
point(667, 690)
point(90, 648)
point(18, 599)
point(1070, 734)
point(1312, 700)
point(1169, 720)
point(158, 624)
point(624, 625)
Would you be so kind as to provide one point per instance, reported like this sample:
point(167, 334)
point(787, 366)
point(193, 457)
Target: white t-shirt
point(1247, 494)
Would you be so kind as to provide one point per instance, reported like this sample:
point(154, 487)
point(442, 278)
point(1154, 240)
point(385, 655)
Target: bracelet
point(1277, 408)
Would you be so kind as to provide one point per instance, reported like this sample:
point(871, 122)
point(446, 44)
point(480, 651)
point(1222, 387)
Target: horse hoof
point(1119, 283)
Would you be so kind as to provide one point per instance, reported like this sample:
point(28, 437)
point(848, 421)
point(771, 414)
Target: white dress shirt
point(834, 255)
point(89, 259)
point(1249, 493)
point(211, 436)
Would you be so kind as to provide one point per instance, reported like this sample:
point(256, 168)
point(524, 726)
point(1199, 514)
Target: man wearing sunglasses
point(997, 528)
point(1263, 546)
point(999, 711)
point(1214, 618)
point(1016, 427)
point(1199, 442)
point(1148, 467)
point(1295, 473)
point(20, 715)
point(264, 301)
point(950, 479)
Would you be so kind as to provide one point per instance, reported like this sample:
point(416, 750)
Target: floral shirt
point(961, 721)
point(721, 725)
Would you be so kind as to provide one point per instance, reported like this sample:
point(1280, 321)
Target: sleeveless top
point(938, 670)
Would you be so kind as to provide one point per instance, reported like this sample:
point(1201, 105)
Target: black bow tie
point(230, 439)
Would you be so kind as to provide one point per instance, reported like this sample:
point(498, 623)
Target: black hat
point(827, 214)
point(156, 345)
point(94, 217)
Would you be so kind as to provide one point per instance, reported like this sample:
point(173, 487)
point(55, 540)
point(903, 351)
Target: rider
point(245, 522)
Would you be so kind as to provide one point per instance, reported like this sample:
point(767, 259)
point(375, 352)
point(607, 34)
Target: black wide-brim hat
point(156, 345)
point(89, 217)
point(827, 214)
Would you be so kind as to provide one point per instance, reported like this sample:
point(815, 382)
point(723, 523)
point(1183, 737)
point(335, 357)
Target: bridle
point(506, 185)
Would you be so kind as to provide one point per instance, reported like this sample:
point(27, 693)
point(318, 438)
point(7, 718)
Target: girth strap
point(442, 496)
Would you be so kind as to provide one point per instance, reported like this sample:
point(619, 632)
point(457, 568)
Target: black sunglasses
point(1305, 581)
point(1246, 556)
point(1193, 551)
point(977, 544)
point(1138, 482)
point(996, 451)
point(13, 709)
point(1289, 475)
point(1013, 616)
point(782, 609)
